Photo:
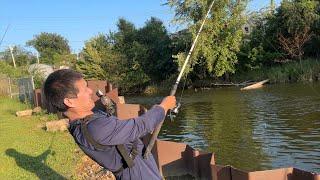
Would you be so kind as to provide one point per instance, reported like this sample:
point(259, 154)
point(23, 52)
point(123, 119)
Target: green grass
point(29, 152)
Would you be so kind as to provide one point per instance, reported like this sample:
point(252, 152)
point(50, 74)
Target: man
point(99, 135)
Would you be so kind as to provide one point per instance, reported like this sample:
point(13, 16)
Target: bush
point(9, 71)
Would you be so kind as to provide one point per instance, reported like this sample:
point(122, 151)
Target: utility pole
point(76, 54)
point(11, 51)
point(38, 60)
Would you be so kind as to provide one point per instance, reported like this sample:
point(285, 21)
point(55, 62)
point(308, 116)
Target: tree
point(52, 47)
point(126, 43)
point(100, 61)
point(157, 63)
point(281, 36)
point(260, 47)
point(293, 45)
point(221, 37)
point(295, 20)
point(311, 48)
point(130, 58)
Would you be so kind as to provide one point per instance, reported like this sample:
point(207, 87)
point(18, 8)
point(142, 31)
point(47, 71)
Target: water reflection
point(291, 113)
point(277, 126)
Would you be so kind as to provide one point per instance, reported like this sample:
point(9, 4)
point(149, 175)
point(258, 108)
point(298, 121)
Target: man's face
point(83, 101)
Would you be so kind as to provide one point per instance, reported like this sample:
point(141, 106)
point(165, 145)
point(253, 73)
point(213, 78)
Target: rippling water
point(276, 126)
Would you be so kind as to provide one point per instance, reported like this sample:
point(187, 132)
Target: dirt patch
point(88, 169)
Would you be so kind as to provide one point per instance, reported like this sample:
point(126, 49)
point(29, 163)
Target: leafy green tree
point(52, 48)
point(296, 15)
point(261, 47)
point(130, 58)
point(157, 62)
point(221, 37)
point(100, 61)
point(281, 36)
point(312, 47)
point(295, 20)
point(181, 41)
point(126, 43)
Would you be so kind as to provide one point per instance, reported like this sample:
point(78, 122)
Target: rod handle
point(174, 89)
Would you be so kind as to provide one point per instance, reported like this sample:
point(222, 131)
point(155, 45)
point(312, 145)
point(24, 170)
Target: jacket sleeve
point(112, 131)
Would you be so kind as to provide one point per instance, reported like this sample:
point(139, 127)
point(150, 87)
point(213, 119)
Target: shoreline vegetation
point(307, 70)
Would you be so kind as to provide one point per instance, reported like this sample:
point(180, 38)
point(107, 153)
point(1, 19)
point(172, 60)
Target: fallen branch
point(255, 85)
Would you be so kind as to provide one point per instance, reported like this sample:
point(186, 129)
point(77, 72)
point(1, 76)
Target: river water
point(275, 126)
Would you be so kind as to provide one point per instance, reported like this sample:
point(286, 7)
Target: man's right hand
point(168, 102)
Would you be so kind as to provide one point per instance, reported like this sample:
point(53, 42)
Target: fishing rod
point(175, 87)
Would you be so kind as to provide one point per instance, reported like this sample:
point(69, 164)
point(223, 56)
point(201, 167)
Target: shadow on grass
point(11, 112)
point(35, 165)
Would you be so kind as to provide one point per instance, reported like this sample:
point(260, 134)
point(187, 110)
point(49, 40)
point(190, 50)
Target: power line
point(4, 34)
point(81, 18)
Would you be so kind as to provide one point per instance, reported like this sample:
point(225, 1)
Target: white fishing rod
point(175, 87)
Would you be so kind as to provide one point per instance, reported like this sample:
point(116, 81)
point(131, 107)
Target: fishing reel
point(109, 105)
point(173, 112)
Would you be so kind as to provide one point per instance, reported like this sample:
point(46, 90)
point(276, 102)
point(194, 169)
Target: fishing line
point(171, 115)
point(183, 87)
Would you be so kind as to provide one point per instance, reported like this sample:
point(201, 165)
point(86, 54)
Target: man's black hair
point(59, 85)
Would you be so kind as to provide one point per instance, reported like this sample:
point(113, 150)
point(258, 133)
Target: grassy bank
point(29, 152)
point(306, 71)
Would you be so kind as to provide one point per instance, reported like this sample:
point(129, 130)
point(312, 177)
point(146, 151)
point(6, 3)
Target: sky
point(80, 20)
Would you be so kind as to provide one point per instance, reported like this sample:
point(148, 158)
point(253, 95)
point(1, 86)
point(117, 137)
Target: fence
point(21, 88)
